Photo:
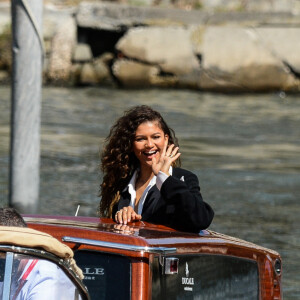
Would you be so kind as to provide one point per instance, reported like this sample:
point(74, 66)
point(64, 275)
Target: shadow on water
point(244, 149)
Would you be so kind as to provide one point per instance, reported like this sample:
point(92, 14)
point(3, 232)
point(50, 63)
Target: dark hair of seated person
point(10, 217)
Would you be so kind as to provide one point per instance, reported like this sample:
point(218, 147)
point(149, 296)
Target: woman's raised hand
point(126, 214)
point(167, 157)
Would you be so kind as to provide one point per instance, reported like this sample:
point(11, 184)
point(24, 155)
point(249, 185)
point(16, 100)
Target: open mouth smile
point(150, 153)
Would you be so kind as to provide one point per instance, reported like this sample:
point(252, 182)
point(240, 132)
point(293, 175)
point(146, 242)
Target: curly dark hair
point(10, 217)
point(118, 160)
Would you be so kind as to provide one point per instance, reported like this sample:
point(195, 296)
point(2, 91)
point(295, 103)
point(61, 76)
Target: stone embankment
point(132, 46)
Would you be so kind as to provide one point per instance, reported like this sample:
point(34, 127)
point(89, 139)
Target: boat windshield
point(107, 276)
point(207, 276)
point(29, 277)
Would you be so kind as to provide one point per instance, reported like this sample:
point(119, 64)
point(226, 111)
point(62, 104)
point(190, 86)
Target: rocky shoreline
point(120, 45)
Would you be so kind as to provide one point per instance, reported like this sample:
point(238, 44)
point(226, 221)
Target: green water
point(245, 150)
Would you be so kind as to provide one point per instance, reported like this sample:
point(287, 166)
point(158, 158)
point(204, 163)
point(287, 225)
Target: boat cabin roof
point(140, 234)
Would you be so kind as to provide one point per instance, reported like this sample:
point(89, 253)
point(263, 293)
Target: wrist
point(160, 179)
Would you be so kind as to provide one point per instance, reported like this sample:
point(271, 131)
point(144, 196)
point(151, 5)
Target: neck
point(145, 174)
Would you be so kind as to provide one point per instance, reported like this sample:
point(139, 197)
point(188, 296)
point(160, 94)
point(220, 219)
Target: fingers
point(176, 156)
point(137, 217)
point(126, 214)
point(121, 227)
point(171, 155)
point(154, 162)
point(168, 155)
point(171, 152)
point(165, 147)
point(125, 229)
point(123, 215)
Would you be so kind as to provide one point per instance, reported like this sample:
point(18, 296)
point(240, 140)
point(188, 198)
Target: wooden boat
point(146, 261)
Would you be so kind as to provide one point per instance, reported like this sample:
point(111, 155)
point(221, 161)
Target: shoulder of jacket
point(178, 172)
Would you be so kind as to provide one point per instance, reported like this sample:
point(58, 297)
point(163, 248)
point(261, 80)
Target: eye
point(139, 139)
point(156, 137)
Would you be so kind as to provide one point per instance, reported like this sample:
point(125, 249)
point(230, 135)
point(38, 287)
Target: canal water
point(245, 150)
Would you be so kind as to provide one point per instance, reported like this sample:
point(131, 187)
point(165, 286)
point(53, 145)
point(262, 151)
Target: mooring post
point(25, 104)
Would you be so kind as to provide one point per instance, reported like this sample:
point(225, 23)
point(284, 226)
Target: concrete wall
point(250, 48)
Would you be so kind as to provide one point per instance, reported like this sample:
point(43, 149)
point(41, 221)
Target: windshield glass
point(2, 270)
point(107, 276)
point(33, 278)
point(207, 277)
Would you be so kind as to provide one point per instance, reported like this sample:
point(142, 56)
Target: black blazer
point(178, 204)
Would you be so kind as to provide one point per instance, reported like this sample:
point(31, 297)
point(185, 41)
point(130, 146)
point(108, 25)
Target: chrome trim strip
point(9, 259)
point(157, 250)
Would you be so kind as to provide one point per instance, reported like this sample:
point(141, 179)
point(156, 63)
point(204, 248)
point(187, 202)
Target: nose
point(149, 143)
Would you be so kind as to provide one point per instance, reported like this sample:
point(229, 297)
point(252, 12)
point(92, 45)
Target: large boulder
point(169, 48)
point(102, 69)
point(247, 59)
point(283, 43)
point(82, 53)
point(60, 61)
point(134, 74)
point(5, 22)
point(88, 74)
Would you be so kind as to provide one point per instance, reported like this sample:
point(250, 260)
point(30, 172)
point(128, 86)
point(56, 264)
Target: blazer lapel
point(150, 203)
point(153, 200)
point(124, 200)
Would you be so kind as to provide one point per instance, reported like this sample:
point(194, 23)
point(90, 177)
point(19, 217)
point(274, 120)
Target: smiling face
point(149, 142)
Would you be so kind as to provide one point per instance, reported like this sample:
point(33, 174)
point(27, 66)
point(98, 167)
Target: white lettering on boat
point(93, 271)
point(186, 280)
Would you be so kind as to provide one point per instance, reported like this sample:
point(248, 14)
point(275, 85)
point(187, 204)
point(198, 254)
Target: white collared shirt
point(46, 281)
point(158, 180)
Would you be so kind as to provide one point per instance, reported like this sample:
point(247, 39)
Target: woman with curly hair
point(142, 179)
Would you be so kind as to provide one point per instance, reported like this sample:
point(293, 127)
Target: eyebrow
point(139, 135)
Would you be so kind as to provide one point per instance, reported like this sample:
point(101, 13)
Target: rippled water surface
point(245, 150)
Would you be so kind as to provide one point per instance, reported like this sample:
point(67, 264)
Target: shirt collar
point(131, 185)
